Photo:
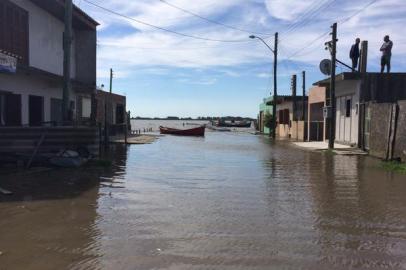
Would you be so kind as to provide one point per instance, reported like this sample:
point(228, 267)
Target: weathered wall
point(86, 56)
point(45, 39)
point(380, 117)
point(25, 85)
point(400, 142)
point(298, 130)
point(112, 101)
point(283, 131)
point(347, 127)
point(24, 139)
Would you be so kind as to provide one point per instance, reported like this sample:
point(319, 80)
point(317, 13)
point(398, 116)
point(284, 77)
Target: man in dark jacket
point(354, 54)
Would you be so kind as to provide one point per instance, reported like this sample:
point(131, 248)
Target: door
point(348, 118)
point(12, 110)
point(36, 110)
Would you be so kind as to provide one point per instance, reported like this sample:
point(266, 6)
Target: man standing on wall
point(354, 54)
point(386, 50)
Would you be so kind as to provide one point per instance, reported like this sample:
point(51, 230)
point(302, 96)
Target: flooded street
point(226, 201)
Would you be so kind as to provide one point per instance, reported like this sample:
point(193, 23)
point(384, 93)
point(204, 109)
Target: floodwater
point(226, 201)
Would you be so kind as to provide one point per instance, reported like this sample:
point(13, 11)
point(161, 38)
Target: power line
point(309, 18)
point(310, 12)
point(161, 28)
point(210, 20)
point(343, 21)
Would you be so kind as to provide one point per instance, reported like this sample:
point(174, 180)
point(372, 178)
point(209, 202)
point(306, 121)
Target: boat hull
point(199, 131)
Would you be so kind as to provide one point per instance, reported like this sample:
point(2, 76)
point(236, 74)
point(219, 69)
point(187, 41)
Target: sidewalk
point(320, 145)
point(339, 149)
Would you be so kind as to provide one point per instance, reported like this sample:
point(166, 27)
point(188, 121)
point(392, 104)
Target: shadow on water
point(62, 183)
point(51, 219)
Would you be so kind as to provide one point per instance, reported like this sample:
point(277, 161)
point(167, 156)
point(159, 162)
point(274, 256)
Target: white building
point(31, 31)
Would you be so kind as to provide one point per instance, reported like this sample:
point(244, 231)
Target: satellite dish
point(325, 66)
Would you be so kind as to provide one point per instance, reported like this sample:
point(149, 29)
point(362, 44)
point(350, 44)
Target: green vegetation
point(394, 166)
point(268, 120)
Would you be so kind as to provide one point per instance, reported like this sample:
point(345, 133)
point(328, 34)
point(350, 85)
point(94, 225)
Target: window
point(348, 108)
point(14, 30)
point(86, 107)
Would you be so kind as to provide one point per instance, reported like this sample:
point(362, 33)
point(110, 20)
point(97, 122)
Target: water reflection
point(226, 201)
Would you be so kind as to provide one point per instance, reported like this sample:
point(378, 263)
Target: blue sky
point(165, 74)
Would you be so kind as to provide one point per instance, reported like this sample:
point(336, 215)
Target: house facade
point(370, 112)
point(316, 125)
point(31, 36)
point(290, 118)
point(111, 110)
point(264, 108)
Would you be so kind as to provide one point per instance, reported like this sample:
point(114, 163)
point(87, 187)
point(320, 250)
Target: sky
point(211, 67)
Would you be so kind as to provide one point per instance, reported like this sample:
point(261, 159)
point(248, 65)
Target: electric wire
point(162, 28)
point(210, 20)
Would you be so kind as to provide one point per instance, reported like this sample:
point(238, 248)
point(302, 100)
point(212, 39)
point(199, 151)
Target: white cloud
point(147, 48)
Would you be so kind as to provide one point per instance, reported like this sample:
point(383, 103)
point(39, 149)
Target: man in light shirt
point(386, 50)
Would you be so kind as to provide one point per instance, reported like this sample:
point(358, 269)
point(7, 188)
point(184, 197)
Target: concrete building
point(264, 108)
point(371, 112)
point(116, 114)
point(31, 78)
point(316, 124)
point(290, 118)
point(31, 36)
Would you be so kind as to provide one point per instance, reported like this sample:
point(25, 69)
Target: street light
point(275, 94)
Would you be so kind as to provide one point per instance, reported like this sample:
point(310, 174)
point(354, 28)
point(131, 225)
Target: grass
point(330, 152)
point(394, 166)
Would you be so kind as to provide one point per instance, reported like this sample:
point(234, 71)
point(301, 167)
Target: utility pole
point(303, 95)
point(275, 86)
point(106, 110)
point(67, 50)
point(333, 88)
point(293, 86)
point(111, 80)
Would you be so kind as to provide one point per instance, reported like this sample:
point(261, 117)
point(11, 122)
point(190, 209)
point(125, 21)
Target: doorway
point(36, 110)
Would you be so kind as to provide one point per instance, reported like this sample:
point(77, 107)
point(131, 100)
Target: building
point(111, 109)
point(316, 126)
point(31, 77)
point(291, 113)
point(264, 108)
point(371, 112)
point(31, 49)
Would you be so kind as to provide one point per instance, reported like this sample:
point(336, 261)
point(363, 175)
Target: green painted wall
point(263, 107)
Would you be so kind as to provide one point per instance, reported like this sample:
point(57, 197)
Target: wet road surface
point(227, 201)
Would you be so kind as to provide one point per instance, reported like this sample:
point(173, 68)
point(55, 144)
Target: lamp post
point(275, 93)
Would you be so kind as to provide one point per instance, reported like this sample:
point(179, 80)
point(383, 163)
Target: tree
point(268, 120)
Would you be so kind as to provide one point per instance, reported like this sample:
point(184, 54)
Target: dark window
point(14, 30)
point(348, 108)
